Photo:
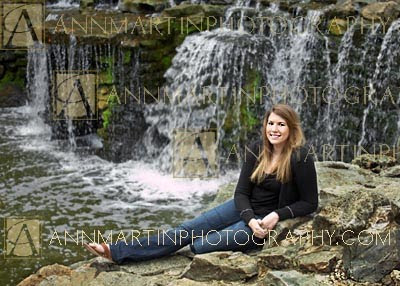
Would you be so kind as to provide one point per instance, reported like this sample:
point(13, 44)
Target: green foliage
point(166, 61)
point(127, 57)
point(107, 74)
point(249, 117)
point(112, 101)
point(10, 77)
point(106, 118)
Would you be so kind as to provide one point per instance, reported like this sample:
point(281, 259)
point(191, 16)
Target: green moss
point(248, 116)
point(150, 43)
point(102, 133)
point(107, 73)
point(166, 61)
point(106, 118)
point(15, 78)
point(127, 57)
point(112, 101)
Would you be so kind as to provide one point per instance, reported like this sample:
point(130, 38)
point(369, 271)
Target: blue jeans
point(218, 229)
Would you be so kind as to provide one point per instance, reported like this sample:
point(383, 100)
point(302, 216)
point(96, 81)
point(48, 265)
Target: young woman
point(277, 181)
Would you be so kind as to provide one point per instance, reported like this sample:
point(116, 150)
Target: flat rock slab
point(177, 263)
point(293, 278)
point(222, 265)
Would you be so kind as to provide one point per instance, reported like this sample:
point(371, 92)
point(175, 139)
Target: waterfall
point(373, 126)
point(73, 57)
point(37, 89)
point(203, 87)
point(72, 4)
point(302, 58)
point(209, 63)
point(337, 81)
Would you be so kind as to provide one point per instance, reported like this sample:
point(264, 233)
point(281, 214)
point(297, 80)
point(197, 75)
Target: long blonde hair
point(295, 140)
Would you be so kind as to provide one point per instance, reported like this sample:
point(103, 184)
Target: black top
point(265, 196)
point(295, 198)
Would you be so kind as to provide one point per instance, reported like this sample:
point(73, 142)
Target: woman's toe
point(97, 247)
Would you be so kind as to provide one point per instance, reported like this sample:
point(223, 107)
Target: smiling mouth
point(274, 136)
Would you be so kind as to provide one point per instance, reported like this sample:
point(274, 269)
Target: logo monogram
point(75, 96)
point(194, 154)
point(22, 238)
point(22, 24)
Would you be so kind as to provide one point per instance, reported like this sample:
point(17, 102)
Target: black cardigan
point(298, 197)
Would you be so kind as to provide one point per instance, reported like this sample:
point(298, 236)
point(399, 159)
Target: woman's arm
point(244, 186)
point(305, 178)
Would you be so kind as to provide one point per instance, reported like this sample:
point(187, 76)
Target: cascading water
point(376, 124)
point(208, 64)
point(73, 4)
point(302, 59)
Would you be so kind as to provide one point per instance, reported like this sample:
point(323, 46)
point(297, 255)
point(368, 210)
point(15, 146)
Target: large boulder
point(140, 6)
point(349, 214)
point(293, 278)
point(393, 172)
point(370, 257)
point(222, 265)
point(381, 10)
point(375, 163)
point(43, 273)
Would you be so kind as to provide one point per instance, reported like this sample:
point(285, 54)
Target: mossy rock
point(150, 43)
point(185, 10)
point(137, 6)
point(337, 26)
point(375, 163)
point(15, 78)
point(86, 4)
point(127, 57)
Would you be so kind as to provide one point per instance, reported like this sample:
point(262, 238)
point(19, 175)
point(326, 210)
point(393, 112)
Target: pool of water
point(70, 189)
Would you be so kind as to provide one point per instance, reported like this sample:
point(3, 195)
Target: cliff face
point(352, 239)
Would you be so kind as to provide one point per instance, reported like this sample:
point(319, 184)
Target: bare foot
point(98, 247)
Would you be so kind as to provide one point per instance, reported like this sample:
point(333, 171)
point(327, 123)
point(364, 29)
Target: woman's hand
point(256, 228)
point(269, 221)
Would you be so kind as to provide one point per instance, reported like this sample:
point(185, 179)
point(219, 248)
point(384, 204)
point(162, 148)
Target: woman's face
point(277, 130)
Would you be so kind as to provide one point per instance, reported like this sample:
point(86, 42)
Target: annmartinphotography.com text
point(312, 95)
point(177, 237)
point(161, 25)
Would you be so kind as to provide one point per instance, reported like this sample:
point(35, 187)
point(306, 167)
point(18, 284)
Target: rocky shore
point(352, 239)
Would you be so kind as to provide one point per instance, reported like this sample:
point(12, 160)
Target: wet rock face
point(141, 6)
point(348, 213)
point(12, 79)
point(370, 257)
point(12, 95)
point(122, 140)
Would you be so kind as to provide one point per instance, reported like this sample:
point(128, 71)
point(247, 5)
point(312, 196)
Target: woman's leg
point(155, 246)
point(236, 237)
